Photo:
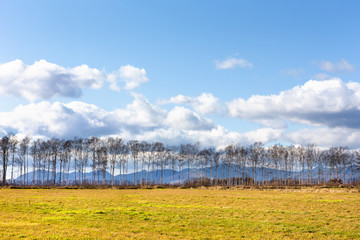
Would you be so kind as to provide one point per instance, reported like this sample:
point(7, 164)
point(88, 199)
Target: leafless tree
point(13, 150)
point(102, 157)
point(160, 160)
point(65, 159)
point(34, 152)
point(53, 159)
point(23, 160)
point(123, 157)
point(93, 148)
point(134, 147)
point(4, 147)
point(229, 159)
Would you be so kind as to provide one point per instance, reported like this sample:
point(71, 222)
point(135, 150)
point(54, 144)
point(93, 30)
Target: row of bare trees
point(114, 161)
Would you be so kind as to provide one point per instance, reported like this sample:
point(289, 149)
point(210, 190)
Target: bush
point(335, 182)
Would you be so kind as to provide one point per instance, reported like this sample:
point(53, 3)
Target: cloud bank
point(331, 109)
point(143, 121)
point(330, 103)
point(139, 120)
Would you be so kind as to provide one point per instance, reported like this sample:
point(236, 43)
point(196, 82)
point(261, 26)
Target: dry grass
point(179, 214)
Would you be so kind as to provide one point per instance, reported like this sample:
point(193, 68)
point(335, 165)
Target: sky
point(214, 72)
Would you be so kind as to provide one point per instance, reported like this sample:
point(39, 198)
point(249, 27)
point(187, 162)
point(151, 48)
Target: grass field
point(179, 214)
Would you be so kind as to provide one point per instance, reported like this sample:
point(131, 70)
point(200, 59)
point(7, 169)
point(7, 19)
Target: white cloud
point(82, 119)
point(263, 135)
point(331, 103)
point(129, 74)
point(182, 118)
point(143, 121)
point(326, 137)
point(54, 120)
point(44, 80)
point(139, 120)
point(218, 136)
point(206, 103)
point(139, 115)
point(231, 63)
point(341, 66)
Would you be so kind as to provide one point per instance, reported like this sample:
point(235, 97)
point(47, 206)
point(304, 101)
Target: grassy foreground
point(179, 213)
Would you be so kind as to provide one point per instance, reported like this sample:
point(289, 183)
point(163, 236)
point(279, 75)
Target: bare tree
point(102, 156)
point(144, 148)
point(53, 159)
point(65, 159)
point(229, 158)
point(34, 152)
point(189, 152)
point(217, 156)
point(112, 149)
point(173, 158)
point(4, 147)
point(344, 159)
point(159, 156)
point(55, 148)
point(123, 160)
point(93, 148)
point(134, 147)
point(256, 151)
point(206, 157)
point(43, 160)
point(13, 149)
point(357, 160)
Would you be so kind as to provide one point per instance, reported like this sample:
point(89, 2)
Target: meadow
point(179, 214)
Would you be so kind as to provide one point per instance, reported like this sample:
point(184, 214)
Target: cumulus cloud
point(182, 118)
point(231, 63)
point(206, 103)
point(139, 120)
point(341, 66)
point(326, 137)
point(217, 137)
point(82, 119)
point(331, 103)
point(144, 121)
point(129, 74)
point(44, 80)
point(56, 120)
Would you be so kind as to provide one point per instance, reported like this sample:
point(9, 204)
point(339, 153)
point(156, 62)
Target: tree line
point(50, 162)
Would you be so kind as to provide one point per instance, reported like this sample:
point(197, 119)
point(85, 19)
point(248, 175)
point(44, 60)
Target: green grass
point(178, 214)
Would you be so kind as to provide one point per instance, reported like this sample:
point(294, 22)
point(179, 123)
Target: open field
point(179, 213)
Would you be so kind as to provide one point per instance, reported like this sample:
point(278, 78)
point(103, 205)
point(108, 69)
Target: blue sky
point(208, 71)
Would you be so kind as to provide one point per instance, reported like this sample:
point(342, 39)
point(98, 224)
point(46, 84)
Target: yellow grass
point(179, 214)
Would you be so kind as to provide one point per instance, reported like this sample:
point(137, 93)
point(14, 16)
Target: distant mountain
point(174, 177)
